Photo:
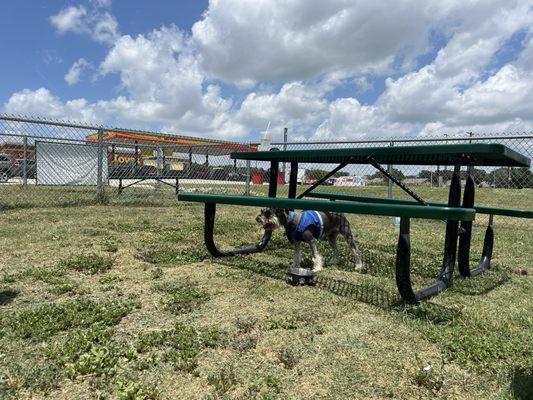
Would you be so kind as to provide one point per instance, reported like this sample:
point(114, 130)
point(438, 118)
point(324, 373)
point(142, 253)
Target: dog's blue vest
point(307, 218)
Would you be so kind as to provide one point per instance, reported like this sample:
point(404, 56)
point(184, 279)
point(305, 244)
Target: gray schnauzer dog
point(310, 226)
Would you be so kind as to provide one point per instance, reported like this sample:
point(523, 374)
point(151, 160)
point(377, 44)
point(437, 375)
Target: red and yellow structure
point(140, 147)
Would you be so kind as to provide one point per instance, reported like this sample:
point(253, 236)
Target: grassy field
point(123, 301)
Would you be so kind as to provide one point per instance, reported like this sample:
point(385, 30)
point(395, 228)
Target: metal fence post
point(100, 167)
point(389, 182)
point(160, 166)
point(247, 184)
point(25, 162)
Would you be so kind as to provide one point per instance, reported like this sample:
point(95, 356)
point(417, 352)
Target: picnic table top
point(481, 154)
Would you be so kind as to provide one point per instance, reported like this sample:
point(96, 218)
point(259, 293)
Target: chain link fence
point(52, 163)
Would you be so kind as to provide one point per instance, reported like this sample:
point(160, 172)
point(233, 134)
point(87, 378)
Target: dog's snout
point(258, 219)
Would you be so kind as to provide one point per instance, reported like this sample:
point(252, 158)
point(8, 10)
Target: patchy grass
point(88, 263)
point(109, 244)
point(39, 322)
point(124, 302)
point(180, 345)
point(181, 297)
point(170, 256)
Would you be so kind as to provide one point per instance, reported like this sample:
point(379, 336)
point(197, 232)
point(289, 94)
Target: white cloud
point(100, 25)
point(42, 103)
point(243, 41)
point(163, 82)
point(296, 105)
point(349, 119)
point(104, 28)
point(451, 89)
point(70, 19)
point(73, 75)
point(102, 3)
point(307, 50)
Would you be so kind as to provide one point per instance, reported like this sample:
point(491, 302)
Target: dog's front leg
point(318, 262)
point(297, 254)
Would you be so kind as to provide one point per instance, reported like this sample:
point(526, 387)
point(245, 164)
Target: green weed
point(181, 297)
point(109, 244)
point(63, 288)
point(165, 255)
point(181, 345)
point(108, 279)
point(131, 390)
point(38, 323)
point(90, 263)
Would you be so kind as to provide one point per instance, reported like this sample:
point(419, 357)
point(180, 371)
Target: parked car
point(7, 167)
point(31, 168)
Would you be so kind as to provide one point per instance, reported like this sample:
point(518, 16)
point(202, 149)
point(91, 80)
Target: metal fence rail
point(45, 163)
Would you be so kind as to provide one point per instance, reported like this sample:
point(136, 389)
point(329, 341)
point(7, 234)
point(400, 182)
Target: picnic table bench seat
point(442, 212)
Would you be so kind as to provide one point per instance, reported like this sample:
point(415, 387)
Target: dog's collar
point(291, 217)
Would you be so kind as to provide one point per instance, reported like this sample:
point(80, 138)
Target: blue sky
point(327, 70)
point(39, 56)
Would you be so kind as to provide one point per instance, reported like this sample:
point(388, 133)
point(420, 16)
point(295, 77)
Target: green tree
point(516, 178)
point(395, 173)
point(480, 175)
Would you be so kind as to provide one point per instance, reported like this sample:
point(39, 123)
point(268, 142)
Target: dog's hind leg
point(332, 239)
point(297, 254)
point(348, 236)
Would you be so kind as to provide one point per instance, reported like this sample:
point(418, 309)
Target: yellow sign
point(124, 158)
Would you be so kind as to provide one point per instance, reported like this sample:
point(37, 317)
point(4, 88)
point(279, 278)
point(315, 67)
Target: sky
point(327, 70)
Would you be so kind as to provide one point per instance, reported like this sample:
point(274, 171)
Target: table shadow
point(7, 296)
point(362, 292)
point(522, 384)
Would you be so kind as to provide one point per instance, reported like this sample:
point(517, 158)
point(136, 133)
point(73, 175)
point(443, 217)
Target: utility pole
point(470, 167)
point(284, 148)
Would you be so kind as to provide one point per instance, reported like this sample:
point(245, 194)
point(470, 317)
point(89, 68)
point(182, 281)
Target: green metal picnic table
point(458, 216)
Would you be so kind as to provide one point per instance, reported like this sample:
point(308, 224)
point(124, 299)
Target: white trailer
point(349, 181)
